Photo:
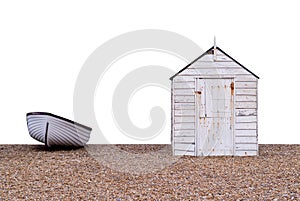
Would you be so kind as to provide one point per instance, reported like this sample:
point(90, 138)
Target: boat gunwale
point(58, 117)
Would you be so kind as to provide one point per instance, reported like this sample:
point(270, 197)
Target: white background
point(43, 45)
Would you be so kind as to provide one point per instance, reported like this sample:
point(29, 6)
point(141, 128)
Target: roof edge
point(171, 78)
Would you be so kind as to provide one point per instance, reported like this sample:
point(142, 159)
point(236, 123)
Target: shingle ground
point(35, 172)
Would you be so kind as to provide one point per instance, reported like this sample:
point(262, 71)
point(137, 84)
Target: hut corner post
point(172, 118)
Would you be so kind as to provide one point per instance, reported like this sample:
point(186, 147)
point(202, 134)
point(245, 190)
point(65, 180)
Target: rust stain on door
point(232, 88)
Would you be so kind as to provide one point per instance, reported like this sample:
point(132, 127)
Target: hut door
point(214, 103)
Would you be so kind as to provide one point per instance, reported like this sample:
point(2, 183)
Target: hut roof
point(208, 52)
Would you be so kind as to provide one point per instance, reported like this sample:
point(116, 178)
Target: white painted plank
point(220, 58)
point(184, 140)
point(184, 147)
point(184, 119)
point(242, 140)
point(190, 91)
point(245, 98)
point(183, 153)
point(210, 57)
point(246, 85)
point(184, 133)
point(214, 71)
point(245, 78)
point(184, 99)
point(184, 112)
point(211, 64)
point(246, 147)
point(245, 126)
point(219, 53)
point(179, 78)
point(184, 106)
point(245, 133)
point(183, 126)
point(246, 153)
point(237, 77)
point(245, 105)
point(184, 85)
point(245, 119)
point(218, 76)
point(245, 91)
point(245, 112)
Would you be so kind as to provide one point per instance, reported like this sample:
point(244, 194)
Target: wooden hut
point(214, 107)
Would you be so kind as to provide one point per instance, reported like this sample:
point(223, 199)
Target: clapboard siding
point(245, 98)
point(245, 112)
point(245, 85)
point(211, 64)
point(244, 78)
point(245, 119)
point(188, 91)
point(184, 99)
point(246, 147)
point(185, 147)
point(245, 132)
point(246, 153)
point(237, 77)
point(184, 126)
point(182, 79)
point(184, 133)
point(247, 92)
point(220, 58)
point(245, 126)
point(184, 112)
point(183, 119)
point(245, 140)
point(184, 85)
point(187, 140)
point(215, 68)
point(245, 105)
point(214, 71)
point(183, 153)
point(184, 106)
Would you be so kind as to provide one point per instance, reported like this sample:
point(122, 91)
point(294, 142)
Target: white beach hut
point(214, 107)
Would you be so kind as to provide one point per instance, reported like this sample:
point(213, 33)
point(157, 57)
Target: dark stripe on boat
point(46, 135)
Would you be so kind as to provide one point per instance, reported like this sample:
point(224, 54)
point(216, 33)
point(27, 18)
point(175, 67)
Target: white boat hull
point(54, 130)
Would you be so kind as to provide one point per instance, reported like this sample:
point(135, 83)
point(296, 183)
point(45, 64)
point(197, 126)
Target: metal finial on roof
point(215, 48)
